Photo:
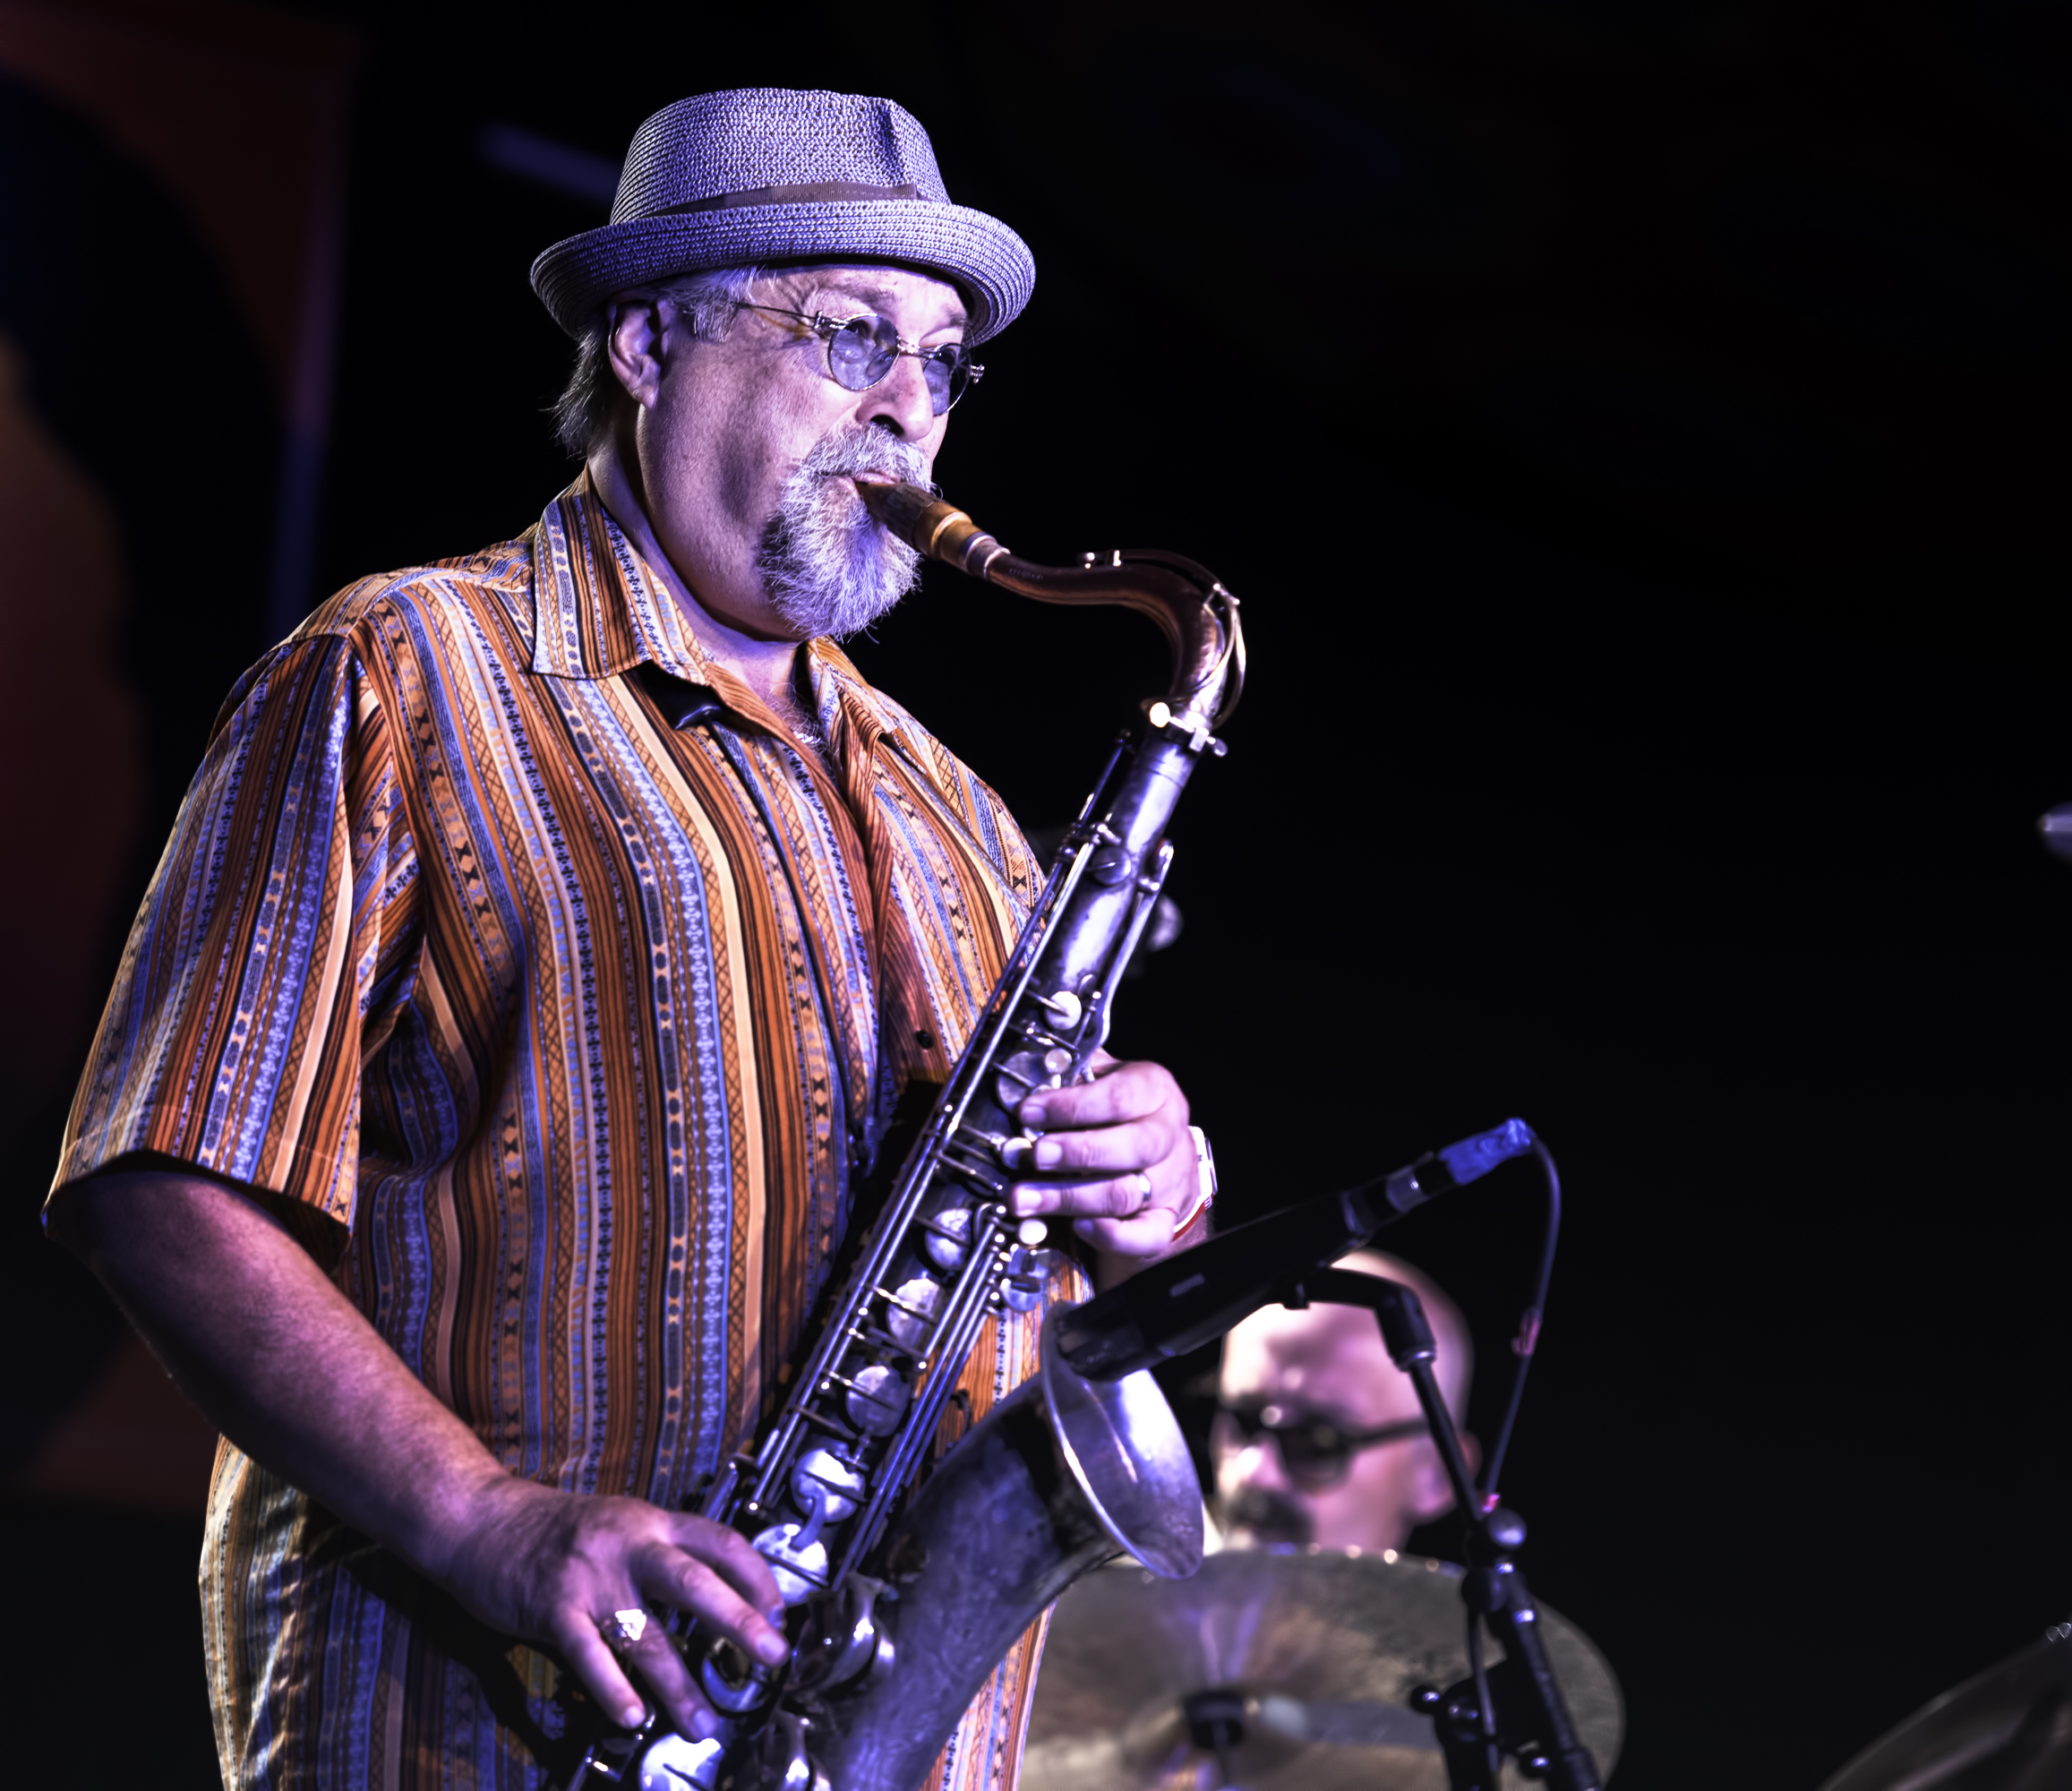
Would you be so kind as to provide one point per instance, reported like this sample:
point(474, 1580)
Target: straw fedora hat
point(763, 177)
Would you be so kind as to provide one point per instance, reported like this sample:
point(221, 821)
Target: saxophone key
point(844, 1637)
point(947, 1239)
point(734, 1683)
point(1021, 1287)
point(797, 1558)
point(1025, 1069)
point(914, 1309)
point(877, 1399)
point(675, 1762)
point(824, 1477)
point(1064, 1008)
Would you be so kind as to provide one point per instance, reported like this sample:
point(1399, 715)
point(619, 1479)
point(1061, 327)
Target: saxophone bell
point(1062, 1475)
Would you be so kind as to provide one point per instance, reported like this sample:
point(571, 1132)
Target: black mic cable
point(1526, 1342)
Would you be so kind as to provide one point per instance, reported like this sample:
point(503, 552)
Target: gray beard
point(827, 568)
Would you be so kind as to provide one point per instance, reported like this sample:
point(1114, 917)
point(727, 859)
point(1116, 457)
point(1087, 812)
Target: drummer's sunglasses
point(1315, 1452)
point(861, 350)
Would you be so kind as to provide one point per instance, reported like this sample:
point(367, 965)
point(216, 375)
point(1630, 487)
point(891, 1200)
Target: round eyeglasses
point(861, 351)
point(1315, 1452)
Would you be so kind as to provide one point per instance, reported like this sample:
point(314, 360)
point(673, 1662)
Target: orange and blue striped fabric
point(560, 1034)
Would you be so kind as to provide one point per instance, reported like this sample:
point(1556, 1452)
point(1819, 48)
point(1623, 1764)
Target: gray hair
point(584, 412)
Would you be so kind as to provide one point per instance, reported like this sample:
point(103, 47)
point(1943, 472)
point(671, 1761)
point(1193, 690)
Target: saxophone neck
point(1197, 615)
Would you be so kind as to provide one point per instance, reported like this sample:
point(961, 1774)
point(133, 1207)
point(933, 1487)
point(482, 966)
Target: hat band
point(802, 193)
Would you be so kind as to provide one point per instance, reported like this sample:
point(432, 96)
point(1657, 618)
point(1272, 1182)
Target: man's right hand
point(551, 1566)
point(290, 1370)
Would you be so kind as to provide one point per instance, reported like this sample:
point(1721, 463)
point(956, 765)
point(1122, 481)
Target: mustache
point(1271, 1515)
point(864, 451)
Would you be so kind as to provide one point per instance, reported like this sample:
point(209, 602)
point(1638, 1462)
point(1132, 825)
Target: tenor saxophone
point(906, 1582)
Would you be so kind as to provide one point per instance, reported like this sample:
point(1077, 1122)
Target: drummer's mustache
point(1269, 1514)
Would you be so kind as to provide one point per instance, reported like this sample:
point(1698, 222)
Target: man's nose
point(900, 402)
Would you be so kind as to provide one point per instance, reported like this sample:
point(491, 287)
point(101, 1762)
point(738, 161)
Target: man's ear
point(1433, 1491)
point(634, 330)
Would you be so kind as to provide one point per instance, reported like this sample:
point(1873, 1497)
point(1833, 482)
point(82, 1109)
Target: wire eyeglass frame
point(877, 344)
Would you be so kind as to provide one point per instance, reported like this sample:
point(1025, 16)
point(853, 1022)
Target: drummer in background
point(1319, 1438)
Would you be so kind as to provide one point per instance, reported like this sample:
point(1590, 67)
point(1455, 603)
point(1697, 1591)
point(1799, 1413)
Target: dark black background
point(1633, 430)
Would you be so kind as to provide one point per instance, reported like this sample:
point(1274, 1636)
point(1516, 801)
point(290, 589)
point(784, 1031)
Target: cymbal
point(1313, 1655)
point(2009, 1729)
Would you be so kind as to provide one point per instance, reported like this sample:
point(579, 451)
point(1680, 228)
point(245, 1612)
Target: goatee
point(1263, 1516)
point(826, 566)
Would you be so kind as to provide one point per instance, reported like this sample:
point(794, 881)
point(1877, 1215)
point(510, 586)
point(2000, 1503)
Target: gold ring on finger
point(622, 1629)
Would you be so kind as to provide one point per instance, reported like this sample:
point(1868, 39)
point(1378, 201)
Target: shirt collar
point(601, 609)
point(841, 694)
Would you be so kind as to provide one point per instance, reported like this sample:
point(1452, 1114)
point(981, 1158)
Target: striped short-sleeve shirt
point(561, 1033)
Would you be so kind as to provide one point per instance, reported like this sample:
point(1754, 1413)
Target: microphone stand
point(1515, 1707)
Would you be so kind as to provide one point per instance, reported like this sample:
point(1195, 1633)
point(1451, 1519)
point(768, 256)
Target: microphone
point(1182, 1302)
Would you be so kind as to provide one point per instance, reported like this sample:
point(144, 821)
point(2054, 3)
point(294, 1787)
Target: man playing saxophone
point(528, 985)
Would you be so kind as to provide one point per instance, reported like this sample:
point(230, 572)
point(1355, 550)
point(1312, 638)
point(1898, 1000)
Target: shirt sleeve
point(233, 1039)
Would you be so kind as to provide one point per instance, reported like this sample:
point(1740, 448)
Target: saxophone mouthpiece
point(939, 529)
point(896, 505)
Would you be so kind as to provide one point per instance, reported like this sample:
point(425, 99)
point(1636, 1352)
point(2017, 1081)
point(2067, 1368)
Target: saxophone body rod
point(908, 1579)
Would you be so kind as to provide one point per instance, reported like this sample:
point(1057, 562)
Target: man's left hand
point(1116, 1157)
